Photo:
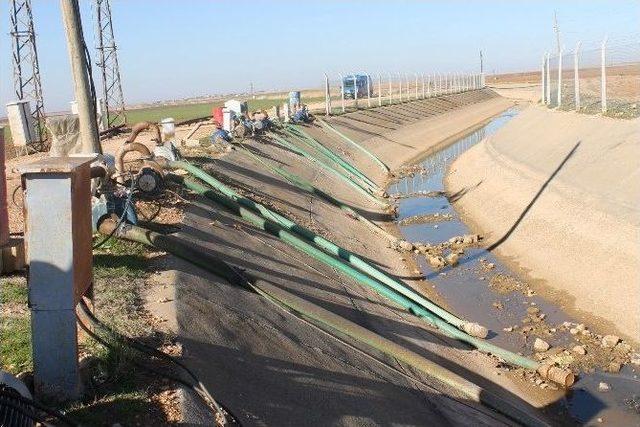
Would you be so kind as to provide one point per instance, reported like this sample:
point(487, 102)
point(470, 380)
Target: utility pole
point(108, 63)
point(556, 29)
point(79, 69)
point(251, 90)
point(481, 62)
point(26, 71)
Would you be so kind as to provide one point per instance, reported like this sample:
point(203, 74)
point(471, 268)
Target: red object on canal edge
point(216, 113)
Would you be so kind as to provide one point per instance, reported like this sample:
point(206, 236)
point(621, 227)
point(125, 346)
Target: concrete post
point(368, 90)
point(379, 90)
point(406, 76)
point(327, 96)
point(416, 75)
point(390, 94)
point(543, 82)
point(560, 78)
point(576, 76)
point(86, 110)
point(603, 75)
point(355, 90)
point(341, 91)
point(548, 97)
point(424, 93)
point(400, 82)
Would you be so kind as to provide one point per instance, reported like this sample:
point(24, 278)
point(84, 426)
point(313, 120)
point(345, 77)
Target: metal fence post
point(390, 92)
point(379, 90)
point(327, 96)
point(560, 78)
point(543, 82)
point(603, 75)
point(355, 90)
point(416, 74)
point(400, 83)
point(576, 76)
point(368, 90)
point(341, 91)
point(423, 88)
point(548, 80)
point(406, 76)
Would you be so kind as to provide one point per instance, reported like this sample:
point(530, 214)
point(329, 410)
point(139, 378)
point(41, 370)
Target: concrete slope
point(560, 194)
point(270, 368)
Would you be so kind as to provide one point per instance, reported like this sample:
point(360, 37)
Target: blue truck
point(360, 82)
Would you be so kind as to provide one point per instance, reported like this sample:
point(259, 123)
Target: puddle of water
point(466, 288)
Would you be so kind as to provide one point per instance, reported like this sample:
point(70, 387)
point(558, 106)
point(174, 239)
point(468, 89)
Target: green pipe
point(310, 188)
point(289, 238)
point(441, 378)
point(307, 139)
point(373, 189)
point(283, 142)
point(332, 248)
point(375, 158)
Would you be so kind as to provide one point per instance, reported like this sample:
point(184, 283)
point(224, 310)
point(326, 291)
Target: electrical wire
point(120, 220)
point(199, 388)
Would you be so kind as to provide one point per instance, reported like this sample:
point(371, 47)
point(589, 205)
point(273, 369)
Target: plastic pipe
point(310, 188)
point(563, 377)
point(445, 380)
point(330, 247)
point(333, 156)
point(283, 142)
point(363, 182)
point(379, 162)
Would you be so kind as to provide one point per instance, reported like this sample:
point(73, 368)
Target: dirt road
point(559, 192)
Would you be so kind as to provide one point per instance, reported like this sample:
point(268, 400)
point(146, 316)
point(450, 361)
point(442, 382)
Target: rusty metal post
point(58, 239)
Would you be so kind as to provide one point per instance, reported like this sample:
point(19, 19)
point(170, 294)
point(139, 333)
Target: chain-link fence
point(352, 91)
point(594, 79)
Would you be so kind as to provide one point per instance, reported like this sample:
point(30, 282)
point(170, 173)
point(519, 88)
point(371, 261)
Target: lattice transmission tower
point(108, 63)
point(26, 71)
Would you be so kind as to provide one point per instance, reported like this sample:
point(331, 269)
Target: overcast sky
point(176, 49)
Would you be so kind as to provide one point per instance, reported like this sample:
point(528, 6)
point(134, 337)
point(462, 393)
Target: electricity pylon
point(108, 63)
point(26, 71)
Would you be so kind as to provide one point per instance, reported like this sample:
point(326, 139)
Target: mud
point(480, 287)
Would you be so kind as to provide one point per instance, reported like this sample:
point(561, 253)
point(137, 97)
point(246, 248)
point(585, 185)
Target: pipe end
point(563, 377)
point(475, 330)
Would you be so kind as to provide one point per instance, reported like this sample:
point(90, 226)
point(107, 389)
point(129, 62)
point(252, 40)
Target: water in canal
point(467, 290)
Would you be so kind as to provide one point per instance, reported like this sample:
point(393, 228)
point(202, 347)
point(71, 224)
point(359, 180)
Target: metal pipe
point(139, 127)
point(127, 148)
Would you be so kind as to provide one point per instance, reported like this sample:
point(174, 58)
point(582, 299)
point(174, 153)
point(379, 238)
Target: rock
point(567, 324)
point(614, 367)
point(452, 259)
point(436, 261)
point(604, 387)
point(635, 359)
point(467, 240)
point(540, 345)
point(509, 329)
point(532, 310)
point(580, 327)
point(579, 349)
point(435, 226)
point(405, 246)
point(574, 331)
point(455, 239)
point(622, 348)
point(610, 341)
point(490, 265)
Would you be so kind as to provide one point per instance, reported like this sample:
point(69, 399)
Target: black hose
point(198, 387)
point(4, 395)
